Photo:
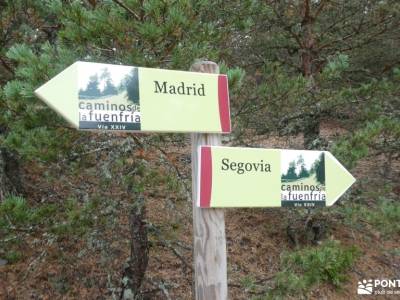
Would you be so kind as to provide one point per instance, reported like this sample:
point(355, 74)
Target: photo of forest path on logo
point(109, 97)
point(303, 178)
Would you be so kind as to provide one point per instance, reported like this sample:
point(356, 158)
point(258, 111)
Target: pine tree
point(109, 88)
point(291, 172)
point(92, 89)
point(132, 86)
point(303, 170)
point(320, 169)
point(39, 39)
point(37, 46)
point(313, 61)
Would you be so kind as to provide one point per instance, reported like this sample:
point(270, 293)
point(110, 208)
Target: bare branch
point(6, 66)
point(320, 8)
point(124, 6)
point(307, 12)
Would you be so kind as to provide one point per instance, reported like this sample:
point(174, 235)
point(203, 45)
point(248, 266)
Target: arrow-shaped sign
point(114, 97)
point(253, 177)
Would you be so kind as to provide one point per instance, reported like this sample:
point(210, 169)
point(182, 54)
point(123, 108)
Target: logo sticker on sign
point(109, 97)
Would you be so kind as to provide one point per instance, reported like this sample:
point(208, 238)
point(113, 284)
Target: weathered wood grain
point(208, 224)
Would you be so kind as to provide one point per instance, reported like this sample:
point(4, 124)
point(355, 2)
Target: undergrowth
point(384, 216)
point(305, 268)
point(18, 219)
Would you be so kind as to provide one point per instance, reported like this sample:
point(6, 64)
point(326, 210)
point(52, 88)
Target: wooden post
point(209, 248)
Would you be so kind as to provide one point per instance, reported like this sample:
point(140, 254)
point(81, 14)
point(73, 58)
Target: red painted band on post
point(205, 177)
point(223, 101)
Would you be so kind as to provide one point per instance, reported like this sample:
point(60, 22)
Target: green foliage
point(287, 283)
point(17, 216)
point(16, 213)
point(302, 73)
point(34, 130)
point(382, 134)
point(303, 269)
point(76, 219)
point(14, 210)
point(287, 74)
point(71, 219)
point(324, 264)
point(235, 75)
point(336, 66)
point(13, 256)
point(169, 34)
point(394, 252)
point(384, 216)
point(248, 283)
point(41, 143)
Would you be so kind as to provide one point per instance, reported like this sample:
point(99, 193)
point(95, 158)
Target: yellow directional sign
point(253, 177)
point(97, 96)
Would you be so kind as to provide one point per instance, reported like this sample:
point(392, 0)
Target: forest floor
point(78, 252)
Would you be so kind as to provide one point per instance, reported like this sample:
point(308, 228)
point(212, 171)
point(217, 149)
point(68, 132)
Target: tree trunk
point(308, 51)
point(10, 182)
point(10, 179)
point(135, 268)
point(311, 133)
point(308, 58)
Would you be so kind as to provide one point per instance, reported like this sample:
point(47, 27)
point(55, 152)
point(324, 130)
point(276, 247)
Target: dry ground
point(89, 267)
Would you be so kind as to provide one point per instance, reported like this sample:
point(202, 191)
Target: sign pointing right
point(254, 177)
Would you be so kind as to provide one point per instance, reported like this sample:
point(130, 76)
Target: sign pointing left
point(114, 97)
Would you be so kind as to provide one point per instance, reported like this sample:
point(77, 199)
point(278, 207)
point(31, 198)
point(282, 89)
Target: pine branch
point(288, 28)
point(124, 6)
